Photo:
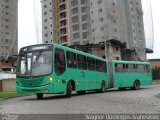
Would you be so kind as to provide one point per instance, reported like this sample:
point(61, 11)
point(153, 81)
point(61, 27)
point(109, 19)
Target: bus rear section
point(130, 74)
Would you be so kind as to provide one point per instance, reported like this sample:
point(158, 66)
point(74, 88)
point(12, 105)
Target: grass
point(7, 95)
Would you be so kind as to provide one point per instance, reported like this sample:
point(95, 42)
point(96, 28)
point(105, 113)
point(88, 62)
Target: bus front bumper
point(47, 89)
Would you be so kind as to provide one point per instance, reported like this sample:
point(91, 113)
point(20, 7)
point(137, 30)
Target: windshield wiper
point(38, 56)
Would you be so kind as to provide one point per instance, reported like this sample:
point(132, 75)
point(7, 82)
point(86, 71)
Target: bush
point(156, 73)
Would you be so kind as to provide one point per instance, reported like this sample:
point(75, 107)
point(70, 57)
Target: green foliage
point(156, 73)
point(6, 95)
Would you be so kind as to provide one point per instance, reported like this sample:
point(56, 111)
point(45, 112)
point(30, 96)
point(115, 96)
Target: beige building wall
point(9, 85)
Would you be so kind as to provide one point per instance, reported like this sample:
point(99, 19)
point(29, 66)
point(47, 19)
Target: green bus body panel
point(83, 79)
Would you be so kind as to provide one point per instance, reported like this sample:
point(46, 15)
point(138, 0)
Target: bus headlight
point(50, 79)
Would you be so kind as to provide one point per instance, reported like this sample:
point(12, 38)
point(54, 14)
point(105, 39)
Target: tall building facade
point(118, 23)
point(8, 31)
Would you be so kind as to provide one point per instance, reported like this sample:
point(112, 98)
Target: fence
point(7, 76)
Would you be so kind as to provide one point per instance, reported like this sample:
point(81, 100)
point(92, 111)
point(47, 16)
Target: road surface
point(112, 101)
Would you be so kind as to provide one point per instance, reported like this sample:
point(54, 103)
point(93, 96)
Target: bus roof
point(130, 62)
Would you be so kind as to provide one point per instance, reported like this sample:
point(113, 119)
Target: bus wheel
point(122, 88)
point(39, 95)
point(136, 85)
point(81, 92)
point(69, 90)
point(103, 88)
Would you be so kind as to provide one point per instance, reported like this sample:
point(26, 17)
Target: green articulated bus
point(54, 69)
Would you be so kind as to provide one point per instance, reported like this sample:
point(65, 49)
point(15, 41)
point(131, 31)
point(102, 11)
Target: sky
point(30, 20)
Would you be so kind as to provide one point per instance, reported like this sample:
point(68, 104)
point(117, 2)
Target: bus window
point(99, 65)
point(120, 67)
point(91, 63)
point(104, 66)
point(71, 60)
point(59, 62)
point(130, 67)
point(147, 68)
point(140, 68)
point(81, 62)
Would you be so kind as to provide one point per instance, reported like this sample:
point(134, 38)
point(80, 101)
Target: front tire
point(39, 96)
point(69, 90)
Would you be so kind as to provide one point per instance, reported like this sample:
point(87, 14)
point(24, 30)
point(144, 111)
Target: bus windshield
point(34, 63)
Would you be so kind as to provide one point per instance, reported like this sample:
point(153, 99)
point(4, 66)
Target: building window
point(84, 26)
point(134, 31)
point(45, 6)
point(84, 17)
point(131, 9)
point(133, 24)
point(115, 29)
point(100, 19)
point(84, 35)
point(75, 10)
point(113, 4)
point(83, 2)
point(83, 9)
point(117, 58)
point(75, 19)
point(137, 3)
point(139, 24)
point(74, 3)
point(132, 16)
point(46, 35)
point(114, 21)
point(117, 48)
point(99, 1)
point(100, 10)
point(45, 13)
point(45, 20)
point(75, 35)
point(102, 29)
point(75, 27)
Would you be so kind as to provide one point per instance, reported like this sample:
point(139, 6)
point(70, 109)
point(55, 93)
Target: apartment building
point(117, 24)
point(8, 32)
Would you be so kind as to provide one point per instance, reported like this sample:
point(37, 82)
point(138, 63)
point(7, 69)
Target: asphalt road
point(112, 101)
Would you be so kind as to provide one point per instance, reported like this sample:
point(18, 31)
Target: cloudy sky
point(30, 23)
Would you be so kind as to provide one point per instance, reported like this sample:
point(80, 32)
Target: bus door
point(60, 69)
point(110, 75)
point(82, 67)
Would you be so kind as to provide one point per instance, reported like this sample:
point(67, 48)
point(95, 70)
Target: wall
point(8, 85)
